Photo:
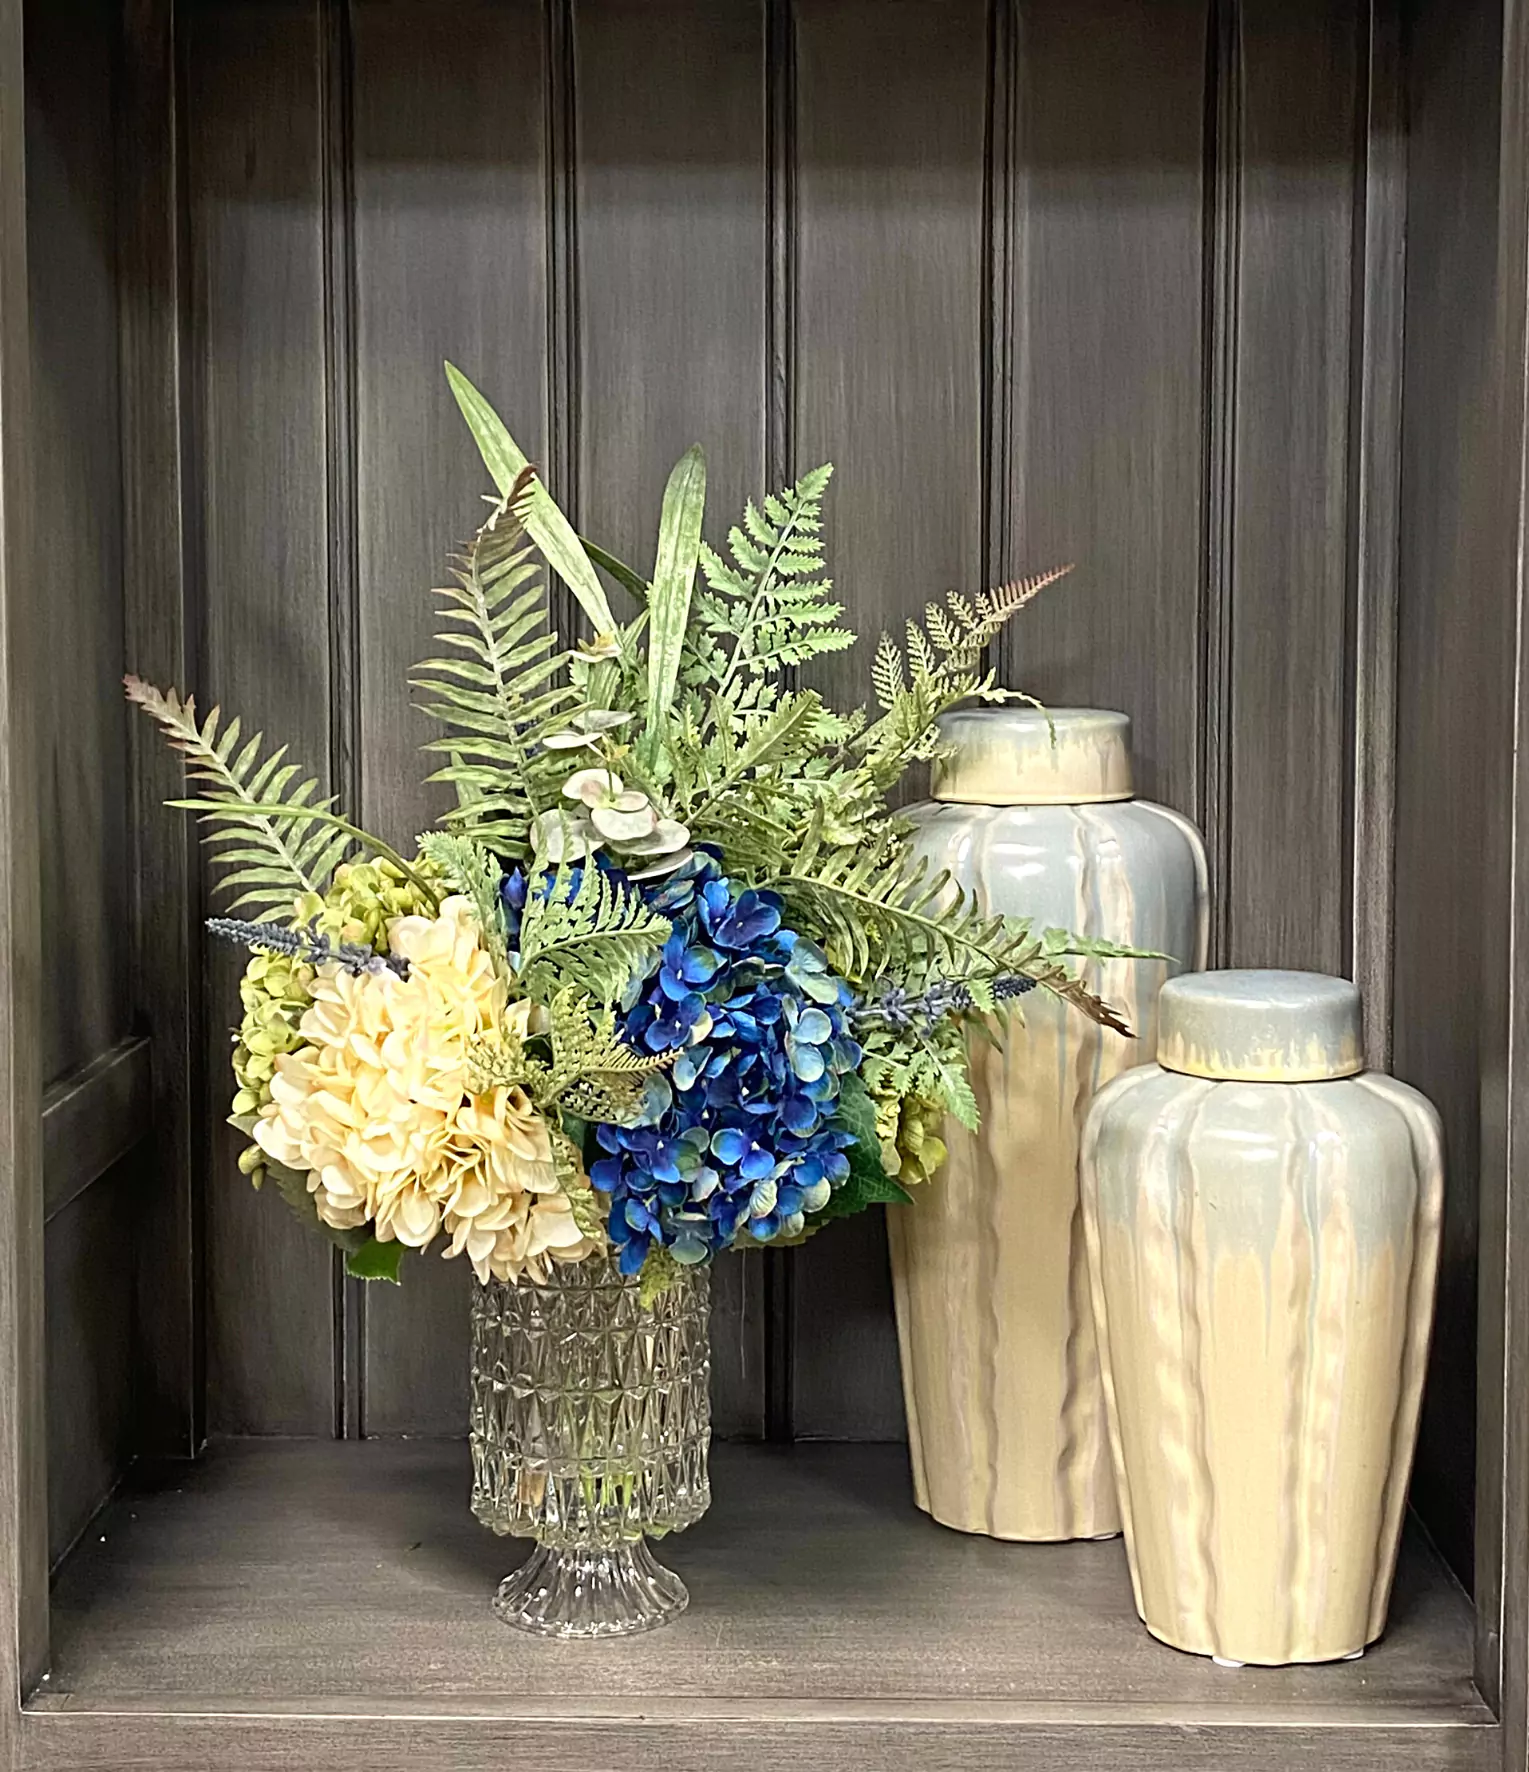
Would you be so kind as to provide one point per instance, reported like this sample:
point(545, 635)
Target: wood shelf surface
point(315, 1582)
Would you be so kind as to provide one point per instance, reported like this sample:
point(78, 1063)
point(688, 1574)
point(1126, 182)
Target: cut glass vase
point(591, 1422)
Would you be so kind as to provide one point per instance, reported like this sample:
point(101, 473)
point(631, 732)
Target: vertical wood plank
point(887, 382)
point(172, 1398)
point(1099, 416)
point(1501, 1522)
point(1376, 518)
point(450, 182)
point(671, 183)
point(260, 552)
point(1287, 718)
point(71, 161)
point(23, 1444)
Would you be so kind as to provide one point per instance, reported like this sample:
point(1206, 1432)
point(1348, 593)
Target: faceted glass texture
point(591, 1422)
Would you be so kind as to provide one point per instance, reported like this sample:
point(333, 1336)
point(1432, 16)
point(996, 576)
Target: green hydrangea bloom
point(908, 1129)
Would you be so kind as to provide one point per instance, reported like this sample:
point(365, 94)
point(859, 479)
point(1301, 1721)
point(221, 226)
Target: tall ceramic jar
point(1000, 1374)
point(1263, 1223)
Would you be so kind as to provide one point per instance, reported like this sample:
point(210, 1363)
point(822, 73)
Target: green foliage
point(498, 693)
point(267, 829)
point(767, 607)
point(593, 1074)
point(544, 521)
point(939, 665)
point(659, 1272)
point(584, 1203)
point(878, 911)
point(679, 542)
point(928, 1065)
point(592, 939)
point(375, 1261)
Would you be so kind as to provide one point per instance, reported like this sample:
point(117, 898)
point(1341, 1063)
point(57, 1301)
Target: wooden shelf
point(296, 1603)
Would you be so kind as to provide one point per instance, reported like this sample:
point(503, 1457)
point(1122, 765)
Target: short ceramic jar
point(1034, 815)
point(1263, 1229)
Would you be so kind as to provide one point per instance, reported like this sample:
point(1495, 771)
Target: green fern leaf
point(277, 841)
point(499, 691)
point(592, 940)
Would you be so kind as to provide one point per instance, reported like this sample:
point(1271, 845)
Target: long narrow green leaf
point(679, 548)
point(618, 569)
point(544, 522)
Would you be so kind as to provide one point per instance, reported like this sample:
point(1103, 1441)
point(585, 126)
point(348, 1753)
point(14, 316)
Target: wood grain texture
point(1502, 1513)
point(71, 153)
point(1286, 730)
point(1376, 519)
point(23, 1456)
point(886, 372)
point(671, 196)
point(1098, 403)
point(450, 262)
point(259, 564)
point(1455, 648)
point(172, 1398)
point(213, 1585)
point(1502, 1477)
point(906, 1741)
point(94, 1118)
point(92, 1398)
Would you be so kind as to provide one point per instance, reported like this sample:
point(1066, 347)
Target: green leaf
point(679, 546)
point(595, 939)
point(279, 836)
point(544, 521)
point(868, 1185)
point(375, 1261)
point(624, 575)
point(857, 1112)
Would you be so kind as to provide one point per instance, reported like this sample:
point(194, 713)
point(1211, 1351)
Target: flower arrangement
point(665, 980)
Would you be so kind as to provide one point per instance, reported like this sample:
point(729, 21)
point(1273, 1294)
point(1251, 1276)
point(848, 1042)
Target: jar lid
point(1019, 756)
point(1269, 1027)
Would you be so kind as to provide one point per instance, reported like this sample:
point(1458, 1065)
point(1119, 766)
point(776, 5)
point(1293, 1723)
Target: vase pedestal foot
point(591, 1592)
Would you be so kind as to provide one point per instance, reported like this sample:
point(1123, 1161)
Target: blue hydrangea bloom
point(739, 1141)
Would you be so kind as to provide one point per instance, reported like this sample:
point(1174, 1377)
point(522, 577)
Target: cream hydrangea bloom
point(374, 1106)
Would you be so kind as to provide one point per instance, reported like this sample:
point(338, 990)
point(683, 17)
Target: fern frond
point(592, 940)
point(939, 665)
point(593, 1075)
point(879, 909)
point(269, 833)
point(498, 692)
point(767, 607)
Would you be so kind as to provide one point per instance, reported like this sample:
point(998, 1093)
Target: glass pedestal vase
point(591, 1422)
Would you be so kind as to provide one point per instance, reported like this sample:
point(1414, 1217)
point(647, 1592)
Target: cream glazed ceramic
point(1005, 1407)
point(1263, 1256)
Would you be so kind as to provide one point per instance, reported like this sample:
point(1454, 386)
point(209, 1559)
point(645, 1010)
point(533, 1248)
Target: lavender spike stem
point(896, 1010)
point(309, 944)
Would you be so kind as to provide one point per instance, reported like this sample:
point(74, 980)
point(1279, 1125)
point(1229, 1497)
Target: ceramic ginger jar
point(1263, 1226)
point(1005, 1408)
